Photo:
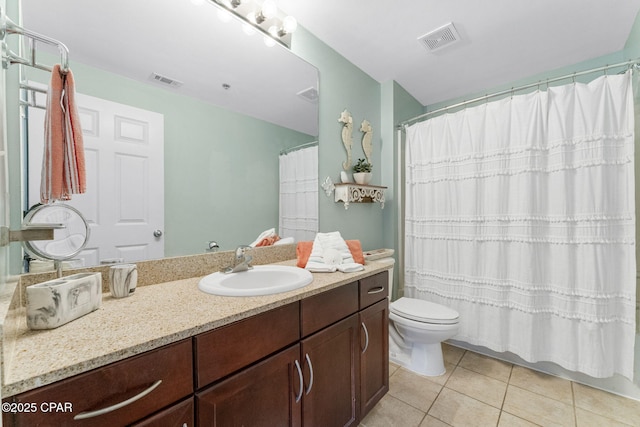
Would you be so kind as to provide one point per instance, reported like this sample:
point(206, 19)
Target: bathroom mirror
point(231, 105)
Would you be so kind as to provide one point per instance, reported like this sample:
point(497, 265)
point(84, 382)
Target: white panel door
point(124, 202)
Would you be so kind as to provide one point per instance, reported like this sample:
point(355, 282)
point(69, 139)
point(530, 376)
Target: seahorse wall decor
point(347, 140)
point(367, 135)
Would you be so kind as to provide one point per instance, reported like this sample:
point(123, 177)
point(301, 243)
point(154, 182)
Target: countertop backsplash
point(175, 268)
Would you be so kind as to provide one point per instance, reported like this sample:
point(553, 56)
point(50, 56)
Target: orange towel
point(63, 165)
point(268, 241)
point(303, 251)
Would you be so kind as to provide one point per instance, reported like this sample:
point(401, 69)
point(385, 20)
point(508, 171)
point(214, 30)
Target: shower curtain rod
point(298, 147)
point(403, 125)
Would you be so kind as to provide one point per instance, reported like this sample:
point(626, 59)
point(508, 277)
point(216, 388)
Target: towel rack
point(7, 26)
point(29, 93)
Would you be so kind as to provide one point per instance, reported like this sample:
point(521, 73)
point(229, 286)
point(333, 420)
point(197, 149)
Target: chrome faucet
point(241, 261)
point(212, 246)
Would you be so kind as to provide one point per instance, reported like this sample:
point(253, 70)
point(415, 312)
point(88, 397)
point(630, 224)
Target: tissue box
point(56, 302)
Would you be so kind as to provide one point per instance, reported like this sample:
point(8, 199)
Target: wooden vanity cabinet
point(169, 369)
point(374, 329)
point(322, 361)
point(241, 381)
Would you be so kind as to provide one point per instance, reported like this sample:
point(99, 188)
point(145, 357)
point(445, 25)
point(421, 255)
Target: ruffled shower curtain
point(299, 194)
point(520, 215)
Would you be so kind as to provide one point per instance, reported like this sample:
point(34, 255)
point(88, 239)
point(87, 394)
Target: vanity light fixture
point(267, 11)
point(230, 4)
point(265, 17)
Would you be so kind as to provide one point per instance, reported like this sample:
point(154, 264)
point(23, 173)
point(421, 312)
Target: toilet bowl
point(416, 331)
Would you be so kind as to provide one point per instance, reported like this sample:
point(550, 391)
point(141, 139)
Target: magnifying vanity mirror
point(216, 104)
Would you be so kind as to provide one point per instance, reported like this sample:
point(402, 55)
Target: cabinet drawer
point(108, 386)
point(373, 289)
point(322, 310)
point(225, 350)
point(179, 415)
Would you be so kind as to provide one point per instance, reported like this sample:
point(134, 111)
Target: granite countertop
point(154, 316)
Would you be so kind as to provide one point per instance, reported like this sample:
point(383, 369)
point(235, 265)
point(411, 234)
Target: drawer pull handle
point(366, 337)
point(299, 396)
point(308, 390)
point(91, 414)
point(376, 290)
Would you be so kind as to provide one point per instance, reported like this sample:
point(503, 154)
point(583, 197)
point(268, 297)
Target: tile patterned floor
point(481, 391)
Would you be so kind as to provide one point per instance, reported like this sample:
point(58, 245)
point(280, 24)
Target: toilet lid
point(423, 311)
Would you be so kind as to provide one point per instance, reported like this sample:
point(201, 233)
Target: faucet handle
point(241, 250)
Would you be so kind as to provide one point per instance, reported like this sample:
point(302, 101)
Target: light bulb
point(269, 42)
point(289, 24)
point(273, 30)
point(269, 9)
point(251, 17)
point(197, 2)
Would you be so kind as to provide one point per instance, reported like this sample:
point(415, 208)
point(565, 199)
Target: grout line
point(573, 401)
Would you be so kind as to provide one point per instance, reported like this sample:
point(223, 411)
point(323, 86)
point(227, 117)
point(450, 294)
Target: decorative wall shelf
point(356, 193)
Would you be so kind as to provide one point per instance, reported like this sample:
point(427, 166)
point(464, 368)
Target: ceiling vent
point(440, 38)
point(158, 78)
point(310, 94)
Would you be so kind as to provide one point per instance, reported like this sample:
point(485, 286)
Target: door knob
point(157, 233)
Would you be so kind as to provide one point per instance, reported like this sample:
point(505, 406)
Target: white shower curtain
point(520, 215)
point(299, 194)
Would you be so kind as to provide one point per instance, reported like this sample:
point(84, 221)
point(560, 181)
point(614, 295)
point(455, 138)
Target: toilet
point(416, 331)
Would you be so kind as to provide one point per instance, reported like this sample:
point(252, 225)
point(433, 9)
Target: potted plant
point(362, 172)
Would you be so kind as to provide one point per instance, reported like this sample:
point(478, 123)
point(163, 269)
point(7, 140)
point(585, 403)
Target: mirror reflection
point(184, 117)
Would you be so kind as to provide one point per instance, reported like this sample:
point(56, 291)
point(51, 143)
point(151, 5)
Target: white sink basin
point(261, 280)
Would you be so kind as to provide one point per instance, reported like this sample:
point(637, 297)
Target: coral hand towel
point(63, 166)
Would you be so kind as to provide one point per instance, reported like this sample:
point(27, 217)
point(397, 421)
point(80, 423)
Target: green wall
point(397, 105)
point(343, 85)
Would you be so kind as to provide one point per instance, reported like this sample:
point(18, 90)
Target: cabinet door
point(178, 415)
point(267, 394)
point(331, 367)
point(374, 354)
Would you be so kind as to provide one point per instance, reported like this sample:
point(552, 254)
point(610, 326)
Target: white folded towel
point(267, 233)
point(330, 253)
point(285, 241)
